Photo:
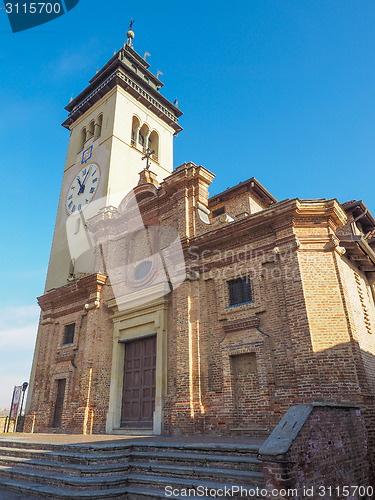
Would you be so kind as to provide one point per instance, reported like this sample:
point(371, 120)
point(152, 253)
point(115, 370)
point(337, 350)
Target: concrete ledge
point(282, 437)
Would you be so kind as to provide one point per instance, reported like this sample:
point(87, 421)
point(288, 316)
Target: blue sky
point(282, 90)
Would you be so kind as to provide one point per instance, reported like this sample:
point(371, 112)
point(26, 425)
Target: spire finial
point(130, 33)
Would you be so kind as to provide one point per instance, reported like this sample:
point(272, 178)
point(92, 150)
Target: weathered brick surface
point(330, 451)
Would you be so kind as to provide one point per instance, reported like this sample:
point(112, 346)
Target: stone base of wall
point(315, 451)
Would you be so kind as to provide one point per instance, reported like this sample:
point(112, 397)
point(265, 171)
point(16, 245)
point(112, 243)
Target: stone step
point(236, 449)
point(101, 461)
point(136, 483)
point(85, 448)
point(65, 467)
point(113, 469)
point(134, 493)
point(64, 456)
point(44, 491)
point(232, 449)
point(130, 472)
point(241, 462)
point(142, 481)
point(209, 473)
point(62, 480)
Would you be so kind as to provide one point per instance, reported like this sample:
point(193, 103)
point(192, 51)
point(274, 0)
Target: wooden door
point(59, 402)
point(138, 401)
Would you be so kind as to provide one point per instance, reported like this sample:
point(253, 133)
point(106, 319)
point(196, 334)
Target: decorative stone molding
point(118, 77)
point(147, 177)
point(92, 305)
point(241, 324)
point(47, 321)
point(75, 294)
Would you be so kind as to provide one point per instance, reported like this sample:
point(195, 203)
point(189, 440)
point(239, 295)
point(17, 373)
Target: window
point(135, 129)
point(90, 131)
point(239, 291)
point(142, 270)
point(153, 144)
point(69, 334)
point(143, 136)
point(83, 138)
point(98, 126)
point(218, 211)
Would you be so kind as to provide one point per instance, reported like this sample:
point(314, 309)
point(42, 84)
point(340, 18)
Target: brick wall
point(316, 447)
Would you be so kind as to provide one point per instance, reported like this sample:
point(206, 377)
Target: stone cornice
point(149, 98)
point(321, 209)
point(289, 213)
point(78, 291)
point(143, 301)
point(243, 255)
point(186, 173)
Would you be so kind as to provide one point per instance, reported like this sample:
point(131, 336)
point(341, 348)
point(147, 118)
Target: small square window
point(69, 333)
point(218, 211)
point(239, 291)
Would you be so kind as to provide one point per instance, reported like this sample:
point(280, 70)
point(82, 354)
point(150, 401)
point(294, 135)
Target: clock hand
point(80, 186)
point(87, 175)
point(83, 183)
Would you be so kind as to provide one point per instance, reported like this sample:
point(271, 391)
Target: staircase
point(132, 471)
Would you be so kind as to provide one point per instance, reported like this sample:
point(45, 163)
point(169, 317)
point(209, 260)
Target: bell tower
point(114, 122)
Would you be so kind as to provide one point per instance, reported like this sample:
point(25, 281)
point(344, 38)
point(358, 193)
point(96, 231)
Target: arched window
point(135, 129)
point(143, 136)
point(153, 144)
point(98, 126)
point(83, 138)
point(90, 130)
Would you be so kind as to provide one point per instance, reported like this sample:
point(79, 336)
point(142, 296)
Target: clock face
point(82, 189)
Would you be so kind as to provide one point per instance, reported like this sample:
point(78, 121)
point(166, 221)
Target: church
point(168, 311)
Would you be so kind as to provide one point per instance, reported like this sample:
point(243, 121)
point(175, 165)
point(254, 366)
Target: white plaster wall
point(119, 164)
point(126, 160)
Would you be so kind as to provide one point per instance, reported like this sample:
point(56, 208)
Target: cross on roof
point(148, 155)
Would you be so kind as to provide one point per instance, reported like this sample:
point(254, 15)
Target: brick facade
point(306, 336)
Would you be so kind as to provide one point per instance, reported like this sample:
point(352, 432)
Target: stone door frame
point(130, 324)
